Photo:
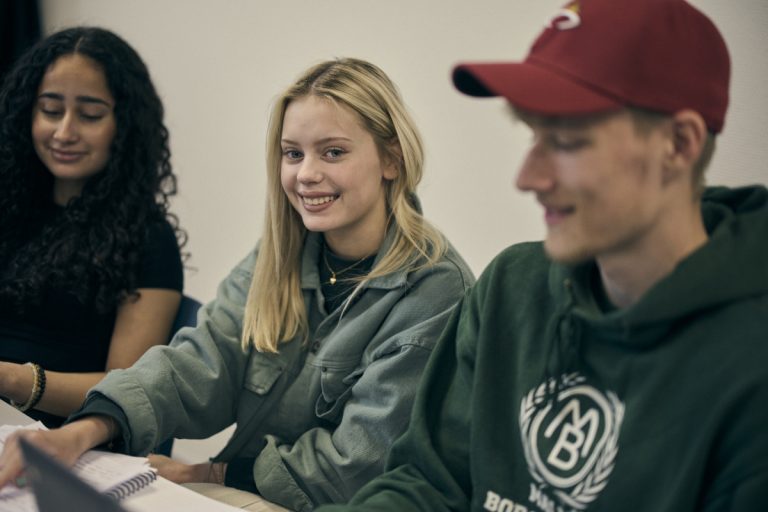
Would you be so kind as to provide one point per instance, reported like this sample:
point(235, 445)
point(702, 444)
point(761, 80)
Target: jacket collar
point(310, 273)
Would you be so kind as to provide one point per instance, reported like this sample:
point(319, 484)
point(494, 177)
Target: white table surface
point(10, 415)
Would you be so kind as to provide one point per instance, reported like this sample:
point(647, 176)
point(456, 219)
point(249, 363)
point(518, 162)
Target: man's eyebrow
point(573, 121)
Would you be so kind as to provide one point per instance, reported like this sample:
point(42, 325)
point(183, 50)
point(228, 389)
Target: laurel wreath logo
point(589, 488)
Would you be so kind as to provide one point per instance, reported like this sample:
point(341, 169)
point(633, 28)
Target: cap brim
point(531, 87)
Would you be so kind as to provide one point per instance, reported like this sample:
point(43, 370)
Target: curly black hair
point(92, 248)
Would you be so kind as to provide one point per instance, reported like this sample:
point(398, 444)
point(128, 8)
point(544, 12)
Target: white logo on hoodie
point(571, 445)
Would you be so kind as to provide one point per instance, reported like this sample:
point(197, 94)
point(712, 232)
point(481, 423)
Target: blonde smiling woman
point(316, 342)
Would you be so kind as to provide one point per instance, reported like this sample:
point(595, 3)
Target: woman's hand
point(65, 444)
point(59, 444)
point(179, 472)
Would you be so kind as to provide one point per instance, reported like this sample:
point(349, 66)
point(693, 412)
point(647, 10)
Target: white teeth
point(314, 201)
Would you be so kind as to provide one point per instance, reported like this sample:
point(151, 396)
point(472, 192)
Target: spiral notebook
point(99, 478)
point(54, 485)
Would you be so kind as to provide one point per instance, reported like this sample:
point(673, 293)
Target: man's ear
point(689, 137)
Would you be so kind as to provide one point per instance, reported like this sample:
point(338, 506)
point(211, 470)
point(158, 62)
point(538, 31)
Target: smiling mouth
point(554, 216)
point(66, 156)
point(317, 201)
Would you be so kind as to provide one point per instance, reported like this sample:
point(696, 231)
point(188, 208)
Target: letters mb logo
point(567, 439)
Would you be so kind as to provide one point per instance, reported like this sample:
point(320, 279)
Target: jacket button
point(315, 346)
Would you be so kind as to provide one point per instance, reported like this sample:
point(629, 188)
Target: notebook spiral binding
point(133, 485)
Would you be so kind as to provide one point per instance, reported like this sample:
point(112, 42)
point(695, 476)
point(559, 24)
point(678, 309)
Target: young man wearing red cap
point(621, 364)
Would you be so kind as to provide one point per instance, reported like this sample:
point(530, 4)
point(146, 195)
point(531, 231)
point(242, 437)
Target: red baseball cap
point(602, 55)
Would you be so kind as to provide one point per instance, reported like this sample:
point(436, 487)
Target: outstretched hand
point(57, 443)
point(65, 444)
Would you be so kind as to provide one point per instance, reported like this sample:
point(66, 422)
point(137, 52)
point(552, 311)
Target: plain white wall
point(219, 64)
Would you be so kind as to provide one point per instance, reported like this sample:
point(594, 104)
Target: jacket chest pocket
point(336, 381)
point(261, 376)
point(261, 390)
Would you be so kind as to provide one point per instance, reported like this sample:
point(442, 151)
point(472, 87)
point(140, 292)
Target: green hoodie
point(539, 398)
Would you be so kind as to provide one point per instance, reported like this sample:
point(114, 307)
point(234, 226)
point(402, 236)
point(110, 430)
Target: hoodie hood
point(731, 266)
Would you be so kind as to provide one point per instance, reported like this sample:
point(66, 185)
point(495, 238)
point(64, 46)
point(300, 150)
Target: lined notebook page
point(114, 474)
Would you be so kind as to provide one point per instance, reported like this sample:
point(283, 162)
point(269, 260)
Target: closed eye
point(92, 117)
point(52, 112)
point(567, 143)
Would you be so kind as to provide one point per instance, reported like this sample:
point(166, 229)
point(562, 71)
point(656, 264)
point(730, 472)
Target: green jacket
point(319, 417)
point(538, 400)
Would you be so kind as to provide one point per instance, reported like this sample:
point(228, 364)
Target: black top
point(346, 272)
point(62, 334)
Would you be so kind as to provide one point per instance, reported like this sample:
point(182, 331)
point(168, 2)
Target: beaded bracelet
point(38, 388)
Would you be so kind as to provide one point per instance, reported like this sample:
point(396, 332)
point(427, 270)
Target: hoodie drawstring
point(563, 353)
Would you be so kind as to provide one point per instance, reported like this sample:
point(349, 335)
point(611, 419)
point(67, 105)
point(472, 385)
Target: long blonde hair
point(275, 310)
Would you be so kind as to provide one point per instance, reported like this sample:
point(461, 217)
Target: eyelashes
point(329, 154)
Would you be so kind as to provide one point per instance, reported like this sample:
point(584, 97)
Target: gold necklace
point(333, 278)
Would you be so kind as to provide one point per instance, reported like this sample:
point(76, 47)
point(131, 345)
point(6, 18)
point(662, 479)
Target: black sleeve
point(160, 265)
point(98, 405)
point(240, 474)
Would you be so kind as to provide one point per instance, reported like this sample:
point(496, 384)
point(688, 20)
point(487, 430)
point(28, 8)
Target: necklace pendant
point(332, 280)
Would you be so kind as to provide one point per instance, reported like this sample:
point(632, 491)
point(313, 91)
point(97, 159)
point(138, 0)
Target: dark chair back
point(187, 314)
point(185, 317)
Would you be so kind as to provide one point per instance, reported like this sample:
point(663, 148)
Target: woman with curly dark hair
point(90, 267)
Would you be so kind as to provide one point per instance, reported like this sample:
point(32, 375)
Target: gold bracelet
point(38, 388)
